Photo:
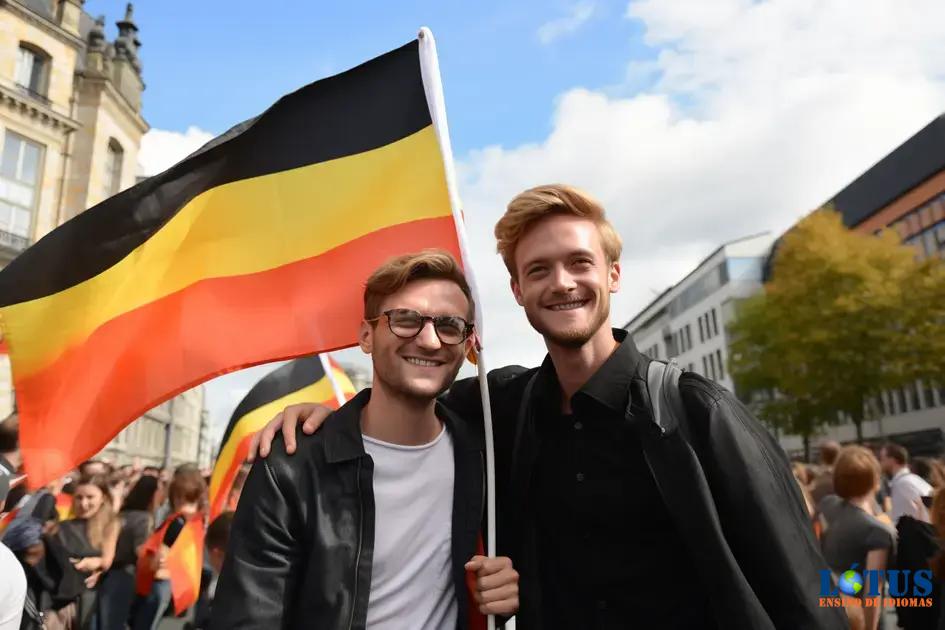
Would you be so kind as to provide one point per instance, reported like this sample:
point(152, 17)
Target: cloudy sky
point(694, 122)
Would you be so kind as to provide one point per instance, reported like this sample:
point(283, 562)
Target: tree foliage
point(844, 317)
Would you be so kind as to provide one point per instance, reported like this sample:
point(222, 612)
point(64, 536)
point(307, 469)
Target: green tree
point(844, 317)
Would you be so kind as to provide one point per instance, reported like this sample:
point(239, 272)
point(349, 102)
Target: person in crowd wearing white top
point(13, 584)
point(375, 522)
point(905, 487)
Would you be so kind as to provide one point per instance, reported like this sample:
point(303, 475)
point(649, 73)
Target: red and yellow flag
point(302, 380)
point(185, 563)
point(64, 506)
point(253, 249)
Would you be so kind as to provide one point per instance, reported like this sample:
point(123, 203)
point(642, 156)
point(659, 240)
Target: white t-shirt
point(411, 579)
point(12, 590)
point(906, 488)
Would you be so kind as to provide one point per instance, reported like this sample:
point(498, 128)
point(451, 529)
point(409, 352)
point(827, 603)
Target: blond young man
point(613, 520)
point(374, 523)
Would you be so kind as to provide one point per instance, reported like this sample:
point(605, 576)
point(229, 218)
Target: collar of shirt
point(899, 475)
point(610, 384)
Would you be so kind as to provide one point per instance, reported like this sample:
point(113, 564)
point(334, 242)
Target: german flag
point(184, 564)
point(184, 561)
point(302, 380)
point(253, 249)
point(64, 506)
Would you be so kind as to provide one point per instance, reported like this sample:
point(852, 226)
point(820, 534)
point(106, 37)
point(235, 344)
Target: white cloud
point(552, 30)
point(757, 113)
point(162, 148)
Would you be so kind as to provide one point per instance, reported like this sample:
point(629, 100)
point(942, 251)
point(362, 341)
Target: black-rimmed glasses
point(407, 324)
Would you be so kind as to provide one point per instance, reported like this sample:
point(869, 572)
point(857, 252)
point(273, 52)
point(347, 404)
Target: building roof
point(41, 7)
point(695, 269)
point(914, 161)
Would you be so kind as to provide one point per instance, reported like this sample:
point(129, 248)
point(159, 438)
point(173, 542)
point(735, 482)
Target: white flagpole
point(335, 387)
point(433, 87)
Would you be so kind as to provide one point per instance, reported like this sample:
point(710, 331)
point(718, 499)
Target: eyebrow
point(581, 251)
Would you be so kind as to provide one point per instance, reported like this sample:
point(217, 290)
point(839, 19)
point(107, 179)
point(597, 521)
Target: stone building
point(70, 132)
point(70, 121)
point(145, 438)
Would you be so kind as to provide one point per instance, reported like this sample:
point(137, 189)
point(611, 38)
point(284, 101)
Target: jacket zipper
point(357, 558)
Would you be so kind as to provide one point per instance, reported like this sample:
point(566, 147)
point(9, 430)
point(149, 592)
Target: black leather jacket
point(302, 540)
point(724, 479)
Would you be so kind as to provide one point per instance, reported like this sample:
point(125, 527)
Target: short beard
point(575, 338)
point(414, 398)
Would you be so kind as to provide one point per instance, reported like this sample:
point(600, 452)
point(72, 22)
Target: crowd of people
point(875, 510)
point(93, 546)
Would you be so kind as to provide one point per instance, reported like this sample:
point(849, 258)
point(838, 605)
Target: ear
point(366, 337)
point(516, 291)
point(614, 277)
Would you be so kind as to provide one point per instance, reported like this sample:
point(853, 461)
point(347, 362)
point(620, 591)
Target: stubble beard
point(399, 389)
point(575, 337)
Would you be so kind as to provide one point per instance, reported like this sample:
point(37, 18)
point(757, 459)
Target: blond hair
point(855, 473)
point(396, 273)
point(535, 204)
point(99, 526)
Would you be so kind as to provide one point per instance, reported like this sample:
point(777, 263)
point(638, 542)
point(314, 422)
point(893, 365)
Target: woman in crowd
point(852, 533)
point(187, 495)
point(117, 590)
point(90, 538)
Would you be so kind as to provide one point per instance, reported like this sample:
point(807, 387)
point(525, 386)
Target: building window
point(688, 337)
point(914, 395)
point(718, 358)
point(705, 366)
point(20, 165)
point(901, 400)
point(32, 70)
point(715, 323)
point(701, 330)
point(929, 395)
point(114, 156)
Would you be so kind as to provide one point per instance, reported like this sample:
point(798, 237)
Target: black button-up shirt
point(609, 552)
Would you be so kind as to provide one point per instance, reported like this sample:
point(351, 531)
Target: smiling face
point(563, 279)
point(87, 500)
point(423, 367)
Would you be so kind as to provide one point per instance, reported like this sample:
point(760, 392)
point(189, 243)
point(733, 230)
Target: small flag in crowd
point(184, 564)
point(253, 249)
point(64, 506)
point(184, 561)
point(302, 380)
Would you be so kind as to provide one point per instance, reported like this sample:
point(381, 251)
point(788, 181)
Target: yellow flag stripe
point(257, 419)
point(240, 228)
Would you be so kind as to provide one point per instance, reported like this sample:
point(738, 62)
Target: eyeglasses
point(407, 324)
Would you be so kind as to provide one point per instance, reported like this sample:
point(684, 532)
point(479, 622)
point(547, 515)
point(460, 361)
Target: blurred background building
point(687, 321)
point(183, 418)
point(904, 191)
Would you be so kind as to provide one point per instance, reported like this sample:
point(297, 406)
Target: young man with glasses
point(375, 522)
point(616, 517)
